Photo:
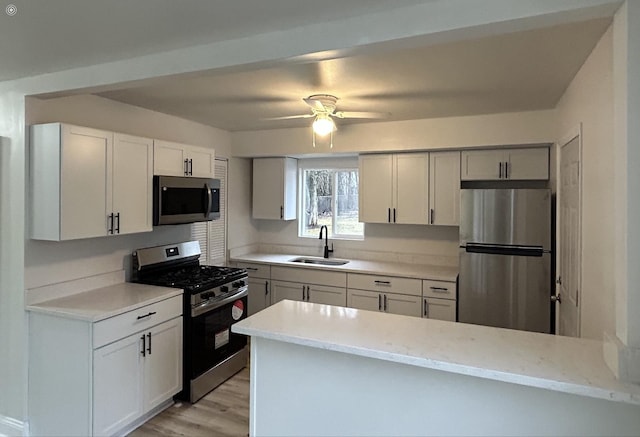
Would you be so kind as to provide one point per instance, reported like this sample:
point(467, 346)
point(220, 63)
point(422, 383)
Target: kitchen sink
point(320, 261)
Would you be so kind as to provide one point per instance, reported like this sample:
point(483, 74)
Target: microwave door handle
point(209, 200)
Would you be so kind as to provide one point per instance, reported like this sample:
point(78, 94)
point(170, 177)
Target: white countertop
point(545, 361)
point(102, 303)
point(419, 271)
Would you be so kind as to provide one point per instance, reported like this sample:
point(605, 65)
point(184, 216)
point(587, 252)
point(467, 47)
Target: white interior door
point(569, 239)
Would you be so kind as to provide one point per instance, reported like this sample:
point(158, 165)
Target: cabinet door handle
point(117, 230)
point(266, 288)
point(500, 171)
point(385, 303)
point(431, 216)
point(110, 220)
point(506, 170)
point(252, 269)
point(394, 215)
point(308, 293)
point(186, 167)
point(144, 348)
point(281, 212)
point(146, 315)
point(426, 308)
point(149, 345)
point(379, 302)
point(191, 167)
point(207, 211)
point(389, 215)
point(439, 289)
point(382, 282)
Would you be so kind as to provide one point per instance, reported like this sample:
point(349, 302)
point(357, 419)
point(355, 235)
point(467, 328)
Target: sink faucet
point(327, 251)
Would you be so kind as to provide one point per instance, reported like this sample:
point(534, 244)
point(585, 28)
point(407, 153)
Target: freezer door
point(506, 216)
point(505, 291)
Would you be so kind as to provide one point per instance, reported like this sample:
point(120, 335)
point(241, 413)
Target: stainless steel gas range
point(214, 299)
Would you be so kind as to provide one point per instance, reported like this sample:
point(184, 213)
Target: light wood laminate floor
point(223, 412)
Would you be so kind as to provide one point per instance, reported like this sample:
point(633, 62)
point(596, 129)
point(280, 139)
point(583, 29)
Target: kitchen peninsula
point(326, 370)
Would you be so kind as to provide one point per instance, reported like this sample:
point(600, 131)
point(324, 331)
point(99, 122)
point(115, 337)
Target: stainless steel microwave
point(185, 200)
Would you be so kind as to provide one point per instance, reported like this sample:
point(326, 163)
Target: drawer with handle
point(390, 284)
point(256, 270)
point(123, 325)
point(439, 289)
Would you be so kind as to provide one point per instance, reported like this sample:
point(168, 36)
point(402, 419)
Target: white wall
point(241, 229)
point(532, 127)
point(589, 100)
point(52, 262)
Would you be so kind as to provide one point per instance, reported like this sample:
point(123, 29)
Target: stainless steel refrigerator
point(505, 258)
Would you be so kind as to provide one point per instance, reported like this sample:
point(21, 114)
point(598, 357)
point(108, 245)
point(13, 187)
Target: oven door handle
point(209, 200)
point(209, 306)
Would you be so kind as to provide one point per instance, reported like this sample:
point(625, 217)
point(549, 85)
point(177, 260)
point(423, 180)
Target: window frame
point(340, 164)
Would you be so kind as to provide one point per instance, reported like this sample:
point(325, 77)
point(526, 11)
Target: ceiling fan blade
point(289, 117)
point(342, 114)
point(315, 104)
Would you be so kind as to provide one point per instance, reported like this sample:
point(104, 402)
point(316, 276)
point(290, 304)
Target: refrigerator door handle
point(499, 249)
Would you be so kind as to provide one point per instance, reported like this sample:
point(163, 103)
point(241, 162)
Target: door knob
point(556, 298)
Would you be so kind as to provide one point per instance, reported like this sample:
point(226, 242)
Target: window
point(212, 235)
point(329, 196)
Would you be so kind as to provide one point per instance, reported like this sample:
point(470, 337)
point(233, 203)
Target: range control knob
point(238, 284)
point(224, 289)
point(206, 296)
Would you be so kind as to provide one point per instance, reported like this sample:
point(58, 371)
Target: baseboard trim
point(146, 417)
point(12, 427)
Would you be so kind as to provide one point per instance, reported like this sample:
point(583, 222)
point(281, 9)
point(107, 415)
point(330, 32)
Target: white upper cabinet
point(394, 188)
point(274, 188)
point(132, 183)
point(505, 164)
point(174, 159)
point(84, 184)
point(376, 188)
point(444, 188)
point(410, 188)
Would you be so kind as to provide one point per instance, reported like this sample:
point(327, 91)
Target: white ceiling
point(53, 35)
point(511, 72)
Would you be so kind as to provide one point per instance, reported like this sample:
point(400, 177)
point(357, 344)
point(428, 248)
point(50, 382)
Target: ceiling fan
point(323, 110)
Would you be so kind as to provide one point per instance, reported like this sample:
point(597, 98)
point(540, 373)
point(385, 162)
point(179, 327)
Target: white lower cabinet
point(259, 286)
point(287, 290)
point(388, 294)
point(439, 309)
point(117, 385)
point(259, 295)
point(323, 294)
point(393, 303)
point(391, 294)
point(439, 300)
point(100, 378)
point(308, 285)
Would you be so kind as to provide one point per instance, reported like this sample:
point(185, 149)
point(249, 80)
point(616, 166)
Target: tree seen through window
point(330, 197)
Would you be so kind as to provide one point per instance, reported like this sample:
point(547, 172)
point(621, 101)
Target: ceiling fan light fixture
point(323, 125)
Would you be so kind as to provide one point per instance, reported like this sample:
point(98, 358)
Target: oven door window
point(212, 339)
